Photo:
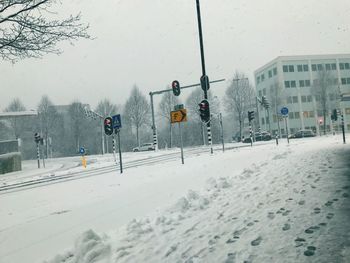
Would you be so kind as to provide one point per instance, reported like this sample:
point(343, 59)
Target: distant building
point(294, 77)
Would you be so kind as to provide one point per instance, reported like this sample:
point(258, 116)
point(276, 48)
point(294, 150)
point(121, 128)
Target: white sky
point(152, 42)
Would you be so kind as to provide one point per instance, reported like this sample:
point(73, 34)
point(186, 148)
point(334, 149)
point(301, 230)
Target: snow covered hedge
point(10, 162)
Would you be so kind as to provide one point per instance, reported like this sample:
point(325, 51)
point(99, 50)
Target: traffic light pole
point(155, 141)
point(203, 68)
point(222, 132)
point(38, 154)
point(343, 127)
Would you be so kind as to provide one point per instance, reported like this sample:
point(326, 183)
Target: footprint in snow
point(301, 202)
point(271, 215)
point(256, 242)
point(286, 227)
point(329, 203)
point(329, 215)
point(311, 229)
point(345, 195)
point(299, 242)
point(310, 251)
point(317, 210)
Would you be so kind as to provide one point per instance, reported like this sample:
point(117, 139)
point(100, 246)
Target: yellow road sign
point(178, 116)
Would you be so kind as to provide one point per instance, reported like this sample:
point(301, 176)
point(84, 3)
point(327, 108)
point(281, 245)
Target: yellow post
point(83, 161)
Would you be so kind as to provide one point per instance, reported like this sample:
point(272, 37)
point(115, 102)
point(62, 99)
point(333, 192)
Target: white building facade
point(294, 78)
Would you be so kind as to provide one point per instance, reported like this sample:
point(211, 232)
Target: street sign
point(178, 107)
point(178, 116)
point(82, 150)
point(117, 123)
point(284, 111)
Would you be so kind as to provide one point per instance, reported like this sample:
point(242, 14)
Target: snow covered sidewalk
point(292, 207)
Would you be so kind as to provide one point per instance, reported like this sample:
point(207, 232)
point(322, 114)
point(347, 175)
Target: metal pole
point(251, 134)
point(102, 139)
point(268, 115)
point(113, 144)
point(120, 154)
point(43, 157)
point(343, 127)
point(155, 141)
point(38, 154)
point(222, 133)
point(285, 119)
point(182, 152)
point(203, 67)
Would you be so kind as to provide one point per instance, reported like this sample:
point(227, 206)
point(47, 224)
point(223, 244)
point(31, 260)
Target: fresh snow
point(286, 203)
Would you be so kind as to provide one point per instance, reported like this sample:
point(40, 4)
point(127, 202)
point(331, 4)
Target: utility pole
point(204, 78)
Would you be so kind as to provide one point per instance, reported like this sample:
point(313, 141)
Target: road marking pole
point(181, 142)
point(120, 153)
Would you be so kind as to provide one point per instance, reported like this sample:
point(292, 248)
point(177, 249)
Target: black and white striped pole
point(113, 144)
point(251, 133)
point(37, 141)
point(343, 127)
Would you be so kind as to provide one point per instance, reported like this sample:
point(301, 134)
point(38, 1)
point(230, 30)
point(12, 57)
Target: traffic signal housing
point(251, 116)
point(205, 85)
point(265, 102)
point(37, 137)
point(204, 111)
point(108, 125)
point(334, 116)
point(176, 87)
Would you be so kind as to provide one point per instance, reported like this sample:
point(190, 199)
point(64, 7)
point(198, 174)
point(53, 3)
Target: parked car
point(265, 136)
point(144, 147)
point(302, 134)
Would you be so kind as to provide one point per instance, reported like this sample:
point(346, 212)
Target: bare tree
point(47, 117)
point(166, 105)
point(137, 111)
point(28, 29)
point(239, 98)
point(325, 90)
point(76, 114)
point(16, 123)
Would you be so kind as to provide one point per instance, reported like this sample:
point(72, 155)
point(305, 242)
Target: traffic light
point(204, 111)
point(108, 126)
point(37, 137)
point(265, 102)
point(176, 87)
point(334, 116)
point(251, 116)
point(205, 82)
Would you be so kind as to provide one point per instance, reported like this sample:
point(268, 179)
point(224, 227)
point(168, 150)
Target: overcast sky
point(152, 42)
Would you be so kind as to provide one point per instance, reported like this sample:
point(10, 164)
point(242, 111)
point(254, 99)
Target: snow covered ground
point(263, 204)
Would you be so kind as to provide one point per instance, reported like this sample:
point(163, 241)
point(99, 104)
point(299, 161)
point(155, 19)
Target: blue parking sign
point(284, 111)
point(117, 123)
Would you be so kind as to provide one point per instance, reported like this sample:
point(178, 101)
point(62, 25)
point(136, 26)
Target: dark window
point(347, 66)
point(296, 115)
point(285, 68)
point(293, 84)
point(301, 83)
point(260, 93)
point(289, 100)
point(328, 66)
point(291, 68)
point(343, 81)
point(303, 98)
point(274, 71)
point(262, 77)
point(306, 67)
point(270, 73)
point(313, 66)
point(300, 68)
point(341, 65)
point(287, 84)
point(291, 115)
point(334, 66)
point(309, 98)
point(347, 80)
point(319, 67)
point(307, 83)
point(295, 99)
point(311, 114)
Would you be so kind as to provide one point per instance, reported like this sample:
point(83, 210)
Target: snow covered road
point(260, 204)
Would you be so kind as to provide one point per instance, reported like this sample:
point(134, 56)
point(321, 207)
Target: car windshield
point(245, 106)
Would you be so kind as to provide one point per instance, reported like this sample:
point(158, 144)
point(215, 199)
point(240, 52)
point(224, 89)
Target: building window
point(293, 84)
point(307, 83)
point(311, 114)
point(303, 98)
point(287, 84)
point(343, 81)
point(319, 67)
point(270, 74)
point(347, 80)
point(274, 71)
point(291, 68)
point(300, 68)
point(347, 66)
point(347, 111)
point(260, 93)
point(289, 100)
point(306, 67)
point(258, 79)
point(334, 66)
point(328, 66)
point(309, 98)
point(285, 68)
point(306, 115)
point(313, 66)
point(341, 66)
point(295, 99)
point(296, 115)
point(291, 115)
point(301, 83)
point(262, 77)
